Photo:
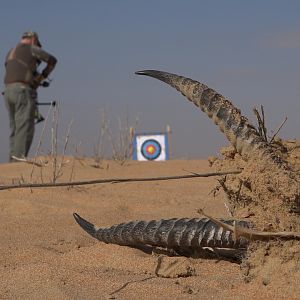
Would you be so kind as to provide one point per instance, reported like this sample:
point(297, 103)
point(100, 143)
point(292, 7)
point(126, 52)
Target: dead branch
point(28, 161)
point(279, 128)
point(128, 283)
point(261, 122)
point(40, 143)
point(228, 193)
point(114, 180)
point(252, 235)
point(239, 191)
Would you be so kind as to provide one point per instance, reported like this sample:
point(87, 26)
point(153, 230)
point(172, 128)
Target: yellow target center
point(151, 149)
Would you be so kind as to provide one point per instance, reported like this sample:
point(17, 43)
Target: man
point(21, 81)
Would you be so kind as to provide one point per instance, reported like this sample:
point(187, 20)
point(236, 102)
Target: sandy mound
point(268, 196)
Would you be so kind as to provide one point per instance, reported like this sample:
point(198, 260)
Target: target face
point(150, 147)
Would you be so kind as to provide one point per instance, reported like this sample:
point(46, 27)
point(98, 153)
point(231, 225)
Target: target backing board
point(147, 147)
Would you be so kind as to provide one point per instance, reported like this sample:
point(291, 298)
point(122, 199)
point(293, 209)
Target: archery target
point(151, 147)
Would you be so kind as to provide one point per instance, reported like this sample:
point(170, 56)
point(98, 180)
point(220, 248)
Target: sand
point(45, 254)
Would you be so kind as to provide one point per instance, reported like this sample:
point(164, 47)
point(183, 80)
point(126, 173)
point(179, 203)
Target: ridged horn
point(238, 130)
point(173, 233)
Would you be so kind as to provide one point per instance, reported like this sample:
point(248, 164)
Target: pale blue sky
point(246, 50)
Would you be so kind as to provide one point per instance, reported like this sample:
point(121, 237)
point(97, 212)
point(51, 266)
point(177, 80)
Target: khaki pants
point(21, 105)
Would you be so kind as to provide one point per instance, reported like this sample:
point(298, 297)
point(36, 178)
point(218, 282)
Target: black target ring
point(151, 149)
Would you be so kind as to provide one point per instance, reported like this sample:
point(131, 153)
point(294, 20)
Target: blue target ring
point(151, 149)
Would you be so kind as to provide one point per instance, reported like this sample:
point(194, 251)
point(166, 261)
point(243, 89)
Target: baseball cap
point(31, 34)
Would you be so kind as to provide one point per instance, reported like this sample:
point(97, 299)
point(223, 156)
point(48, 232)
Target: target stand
point(150, 146)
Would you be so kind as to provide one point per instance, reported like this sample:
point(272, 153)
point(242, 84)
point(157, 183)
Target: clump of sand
point(266, 194)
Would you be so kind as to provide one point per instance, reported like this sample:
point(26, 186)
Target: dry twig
point(130, 282)
point(261, 122)
point(252, 235)
point(40, 143)
point(279, 128)
point(28, 161)
point(115, 180)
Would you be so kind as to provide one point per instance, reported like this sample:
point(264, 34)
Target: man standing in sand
point(21, 82)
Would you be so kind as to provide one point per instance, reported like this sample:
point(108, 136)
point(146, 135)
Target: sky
point(246, 50)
